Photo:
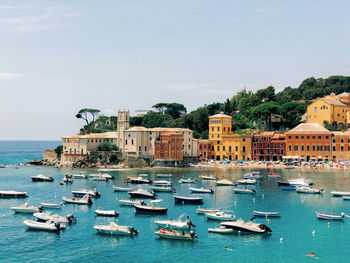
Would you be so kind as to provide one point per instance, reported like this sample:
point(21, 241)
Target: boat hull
point(151, 210)
point(35, 179)
point(264, 214)
point(13, 194)
point(184, 200)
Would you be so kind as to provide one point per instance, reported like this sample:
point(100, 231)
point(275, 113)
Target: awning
point(313, 157)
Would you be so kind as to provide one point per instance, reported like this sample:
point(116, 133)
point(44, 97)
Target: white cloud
point(11, 76)
point(108, 111)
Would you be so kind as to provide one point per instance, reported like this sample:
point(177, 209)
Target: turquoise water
point(81, 243)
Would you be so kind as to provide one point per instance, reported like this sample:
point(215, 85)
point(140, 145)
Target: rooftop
point(220, 115)
point(309, 128)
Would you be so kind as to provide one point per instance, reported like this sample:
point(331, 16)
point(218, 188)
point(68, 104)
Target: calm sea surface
point(292, 237)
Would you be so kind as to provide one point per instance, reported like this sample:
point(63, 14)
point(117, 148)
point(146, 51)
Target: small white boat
point(122, 189)
point(41, 178)
point(103, 177)
point(244, 191)
point(253, 176)
point(141, 193)
point(138, 180)
point(114, 229)
point(176, 235)
point(340, 193)
point(347, 198)
point(250, 226)
point(46, 226)
point(329, 216)
point(83, 192)
point(25, 209)
point(221, 230)
point(206, 210)
point(143, 175)
point(308, 190)
point(164, 175)
point(225, 182)
point(300, 182)
point(68, 178)
point(162, 183)
point(129, 202)
point(150, 208)
point(175, 224)
point(266, 214)
point(220, 216)
point(79, 176)
point(247, 181)
point(208, 177)
point(187, 181)
point(110, 213)
point(162, 189)
point(44, 217)
point(202, 190)
point(51, 205)
point(86, 200)
point(13, 194)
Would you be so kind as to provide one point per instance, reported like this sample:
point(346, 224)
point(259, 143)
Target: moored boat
point(329, 216)
point(41, 178)
point(175, 224)
point(26, 209)
point(138, 180)
point(243, 191)
point(13, 194)
point(266, 214)
point(162, 183)
point(208, 177)
point(249, 227)
point(176, 235)
point(103, 177)
point(46, 226)
point(141, 193)
point(220, 216)
point(188, 200)
point(225, 182)
point(86, 200)
point(253, 176)
point(115, 229)
point(202, 190)
point(162, 189)
point(44, 217)
point(273, 175)
point(68, 178)
point(340, 193)
point(347, 198)
point(129, 202)
point(308, 190)
point(79, 176)
point(200, 210)
point(247, 181)
point(51, 205)
point(109, 213)
point(283, 183)
point(187, 181)
point(221, 230)
point(300, 182)
point(83, 192)
point(150, 208)
point(164, 175)
point(122, 189)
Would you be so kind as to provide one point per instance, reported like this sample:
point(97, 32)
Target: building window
point(132, 142)
point(212, 128)
point(282, 151)
point(218, 136)
point(212, 148)
point(302, 147)
point(254, 151)
point(212, 135)
point(218, 148)
point(126, 142)
point(295, 147)
point(342, 148)
point(244, 149)
point(145, 148)
point(333, 148)
point(289, 147)
point(315, 109)
point(327, 137)
point(313, 147)
point(229, 149)
point(296, 137)
point(224, 129)
point(289, 137)
point(307, 137)
point(349, 148)
point(281, 144)
point(308, 147)
point(244, 140)
point(326, 148)
point(223, 148)
point(313, 137)
point(236, 148)
point(333, 140)
point(139, 148)
point(320, 137)
point(218, 128)
point(302, 137)
point(319, 148)
point(342, 141)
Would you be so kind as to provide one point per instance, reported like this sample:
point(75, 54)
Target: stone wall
point(50, 155)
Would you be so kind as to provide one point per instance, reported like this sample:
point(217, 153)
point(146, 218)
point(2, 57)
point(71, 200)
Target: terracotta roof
point(341, 133)
point(158, 129)
point(309, 128)
point(220, 115)
point(333, 102)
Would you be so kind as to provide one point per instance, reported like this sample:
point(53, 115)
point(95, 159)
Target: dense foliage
point(263, 110)
point(107, 147)
point(58, 151)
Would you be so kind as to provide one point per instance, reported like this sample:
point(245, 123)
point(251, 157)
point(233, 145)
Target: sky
point(58, 56)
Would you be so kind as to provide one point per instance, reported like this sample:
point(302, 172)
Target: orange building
point(204, 149)
point(169, 146)
point(340, 146)
point(309, 141)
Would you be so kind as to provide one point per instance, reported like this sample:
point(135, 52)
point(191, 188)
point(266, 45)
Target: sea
point(295, 233)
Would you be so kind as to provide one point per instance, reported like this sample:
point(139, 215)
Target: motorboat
point(93, 176)
point(266, 214)
point(273, 175)
point(51, 205)
point(129, 202)
point(206, 210)
point(13, 194)
point(86, 200)
point(79, 176)
point(249, 227)
point(138, 180)
point(201, 190)
point(103, 177)
point(252, 176)
point(162, 189)
point(347, 198)
point(164, 175)
point(68, 178)
point(220, 215)
point(329, 216)
point(208, 177)
point(44, 217)
point(289, 167)
point(283, 183)
point(4, 166)
point(115, 229)
point(41, 178)
point(26, 209)
point(162, 183)
point(150, 208)
point(188, 200)
point(46, 226)
point(244, 191)
point(141, 193)
point(173, 234)
point(221, 230)
point(122, 189)
point(300, 182)
point(308, 190)
point(225, 182)
point(187, 181)
point(110, 213)
point(83, 192)
point(288, 188)
point(143, 175)
point(247, 181)
point(175, 224)
point(340, 193)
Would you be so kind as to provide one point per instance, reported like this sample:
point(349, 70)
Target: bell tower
point(123, 124)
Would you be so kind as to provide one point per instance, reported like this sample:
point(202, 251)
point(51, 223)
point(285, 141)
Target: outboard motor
point(71, 219)
point(89, 201)
point(265, 227)
point(133, 231)
point(192, 234)
point(40, 209)
point(58, 226)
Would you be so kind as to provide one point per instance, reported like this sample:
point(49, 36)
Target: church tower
point(122, 125)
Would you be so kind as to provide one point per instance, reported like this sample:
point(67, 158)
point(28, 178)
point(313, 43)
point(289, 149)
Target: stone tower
point(122, 125)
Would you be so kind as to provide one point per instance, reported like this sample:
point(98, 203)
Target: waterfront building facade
point(204, 149)
point(309, 141)
point(268, 146)
point(169, 147)
point(341, 146)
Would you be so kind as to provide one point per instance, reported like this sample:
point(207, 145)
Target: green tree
point(107, 147)
point(58, 151)
point(161, 107)
point(84, 114)
point(175, 110)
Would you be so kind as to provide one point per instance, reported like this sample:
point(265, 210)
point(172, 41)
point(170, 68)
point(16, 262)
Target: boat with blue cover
point(264, 214)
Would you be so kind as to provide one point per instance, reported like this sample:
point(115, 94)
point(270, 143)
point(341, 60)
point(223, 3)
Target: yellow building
point(225, 144)
point(330, 108)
